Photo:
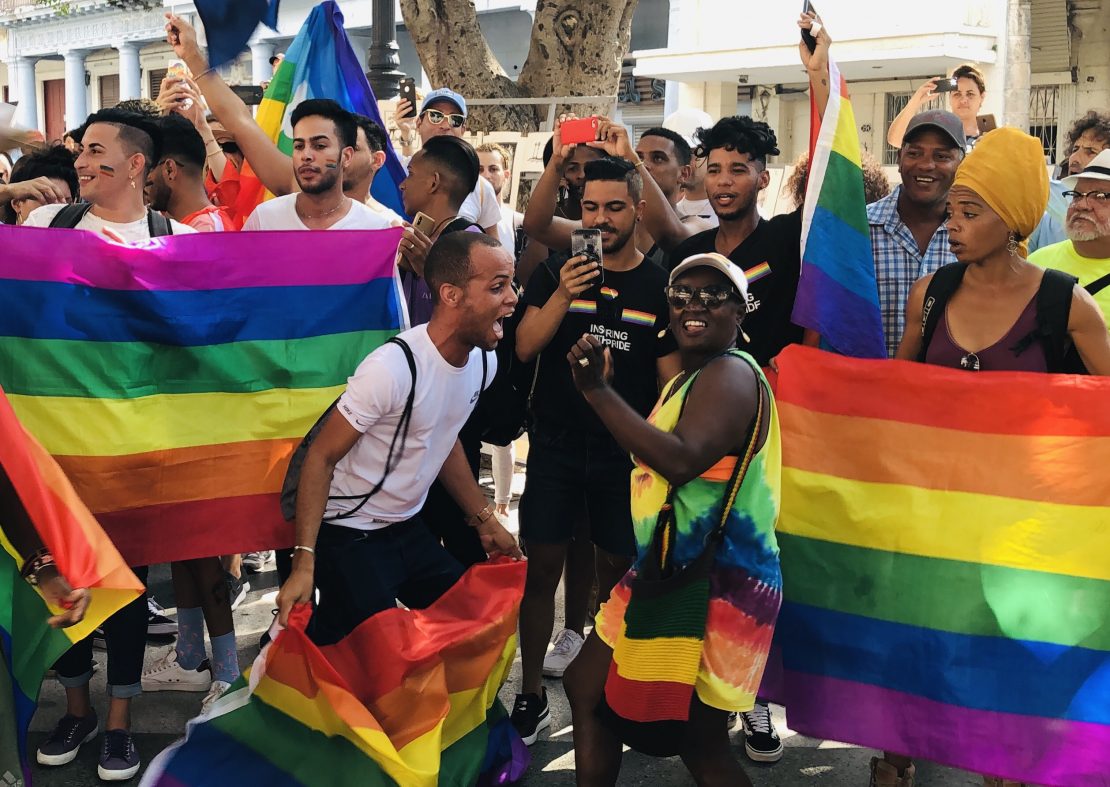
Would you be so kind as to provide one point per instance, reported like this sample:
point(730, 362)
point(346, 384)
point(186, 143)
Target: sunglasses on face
point(435, 117)
point(1097, 197)
point(713, 296)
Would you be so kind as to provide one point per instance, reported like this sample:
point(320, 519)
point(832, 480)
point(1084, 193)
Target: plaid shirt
point(899, 263)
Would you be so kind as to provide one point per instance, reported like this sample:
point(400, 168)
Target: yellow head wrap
point(1007, 169)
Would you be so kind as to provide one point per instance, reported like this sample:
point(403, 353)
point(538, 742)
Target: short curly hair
point(1094, 121)
point(739, 133)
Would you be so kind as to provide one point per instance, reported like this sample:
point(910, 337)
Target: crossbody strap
point(1098, 285)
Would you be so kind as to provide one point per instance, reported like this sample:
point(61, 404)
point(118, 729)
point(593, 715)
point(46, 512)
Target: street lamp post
point(383, 73)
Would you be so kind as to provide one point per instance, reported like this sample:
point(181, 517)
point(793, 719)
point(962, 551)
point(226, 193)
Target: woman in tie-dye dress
point(699, 430)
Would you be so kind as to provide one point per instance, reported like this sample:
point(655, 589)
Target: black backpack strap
point(70, 216)
point(1098, 285)
point(1054, 298)
point(485, 369)
point(946, 280)
point(401, 434)
point(158, 224)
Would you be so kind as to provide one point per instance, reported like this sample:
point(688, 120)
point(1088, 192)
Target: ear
point(450, 294)
point(685, 173)
point(135, 166)
point(764, 178)
point(436, 180)
point(171, 169)
point(378, 160)
point(346, 155)
point(640, 207)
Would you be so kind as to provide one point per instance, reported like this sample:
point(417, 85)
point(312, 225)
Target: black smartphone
point(945, 85)
point(588, 242)
point(251, 95)
point(807, 37)
point(408, 92)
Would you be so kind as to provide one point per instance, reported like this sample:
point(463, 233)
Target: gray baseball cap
point(944, 122)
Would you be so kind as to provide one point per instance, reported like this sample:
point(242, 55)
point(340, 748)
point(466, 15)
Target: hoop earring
point(1012, 244)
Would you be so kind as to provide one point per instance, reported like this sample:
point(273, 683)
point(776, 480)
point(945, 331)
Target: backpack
point(1073, 364)
point(70, 216)
point(293, 473)
point(1053, 309)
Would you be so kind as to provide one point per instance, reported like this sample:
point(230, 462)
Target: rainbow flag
point(409, 698)
point(172, 380)
point(320, 63)
point(944, 542)
point(84, 556)
point(837, 295)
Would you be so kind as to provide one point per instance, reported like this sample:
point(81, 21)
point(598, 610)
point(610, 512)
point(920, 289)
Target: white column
point(26, 93)
point(77, 108)
point(261, 70)
point(130, 75)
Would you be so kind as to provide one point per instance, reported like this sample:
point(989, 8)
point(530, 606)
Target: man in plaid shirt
point(909, 238)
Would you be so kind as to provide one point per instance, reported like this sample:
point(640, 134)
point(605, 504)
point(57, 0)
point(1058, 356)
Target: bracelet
point(36, 563)
point(482, 516)
point(303, 548)
point(204, 73)
point(638, 164)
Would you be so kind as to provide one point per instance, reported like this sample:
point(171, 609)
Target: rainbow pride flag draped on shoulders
point(837, 295)
point(173, 379)
point(408, 699)
point(84, 556)
point(320, 63)
point(944, 540)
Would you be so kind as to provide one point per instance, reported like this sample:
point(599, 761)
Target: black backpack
point(70, 216)
point(293, 473)
point(1053, 309)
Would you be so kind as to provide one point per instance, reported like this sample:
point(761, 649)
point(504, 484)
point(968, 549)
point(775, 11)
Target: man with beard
point(324, 136)
point(908, 236)
point(175, 186)
point(1086, 252)
point(575, 468)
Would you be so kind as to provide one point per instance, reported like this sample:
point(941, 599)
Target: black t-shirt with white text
point(628, 312)
point(771, 259)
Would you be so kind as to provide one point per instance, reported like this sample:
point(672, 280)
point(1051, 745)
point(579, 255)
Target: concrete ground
point(159, 719)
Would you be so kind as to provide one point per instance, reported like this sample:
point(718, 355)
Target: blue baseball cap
point(445, 94)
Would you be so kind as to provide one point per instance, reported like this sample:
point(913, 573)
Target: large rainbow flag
point(84, 556)
point(409, 698)
point(837, 295)
point(172, 380)
point(320, 63)
point(944, 543)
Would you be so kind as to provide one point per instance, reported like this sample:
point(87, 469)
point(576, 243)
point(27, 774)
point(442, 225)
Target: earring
point(1012, 244)
point(132, 182)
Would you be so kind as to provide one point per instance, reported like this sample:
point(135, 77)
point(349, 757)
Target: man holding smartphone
point(575, 468)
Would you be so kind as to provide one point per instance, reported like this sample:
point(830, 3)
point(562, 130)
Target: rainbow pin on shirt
point(757, 272)
point(609, 293)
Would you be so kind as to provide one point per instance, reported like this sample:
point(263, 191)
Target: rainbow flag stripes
point(637, 318)
point(947, 593)
point(409, 698)
point(172, 381)
point(83, 554)
point(608, 293)
point(837, 294)
point(757, 272)
point(579, 306)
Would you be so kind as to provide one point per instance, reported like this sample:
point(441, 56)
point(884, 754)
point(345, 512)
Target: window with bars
point(109, 90)
point(895, 103)
point(1044, 118)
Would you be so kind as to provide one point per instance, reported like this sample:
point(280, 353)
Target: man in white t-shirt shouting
point(364, 552)
point(324, 137)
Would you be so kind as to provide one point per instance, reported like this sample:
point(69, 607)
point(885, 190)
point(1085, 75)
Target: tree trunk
point(577, 49)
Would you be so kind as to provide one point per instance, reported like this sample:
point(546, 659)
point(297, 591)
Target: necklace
point(324, 215)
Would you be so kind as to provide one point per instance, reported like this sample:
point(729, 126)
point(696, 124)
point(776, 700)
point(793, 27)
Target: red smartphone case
point(579, 130)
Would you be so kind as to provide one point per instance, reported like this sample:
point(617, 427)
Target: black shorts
point(571, 476)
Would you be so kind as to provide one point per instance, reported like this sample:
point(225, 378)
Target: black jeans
point(125, 637)
point(444, 517)
point(360, 572)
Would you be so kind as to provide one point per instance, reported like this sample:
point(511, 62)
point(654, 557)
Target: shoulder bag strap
point(158, 224)
point(946, 280)
point(70, 216)
point(1098, 285)
point(742, 463)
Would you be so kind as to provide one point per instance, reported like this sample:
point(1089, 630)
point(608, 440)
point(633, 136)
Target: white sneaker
point(214, 693)
point(166, 674)
point(562, 653)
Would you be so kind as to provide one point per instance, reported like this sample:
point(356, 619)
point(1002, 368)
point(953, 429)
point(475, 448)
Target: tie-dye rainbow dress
point(745, 581)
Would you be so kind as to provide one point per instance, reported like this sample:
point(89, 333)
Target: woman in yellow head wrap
point(993, 310)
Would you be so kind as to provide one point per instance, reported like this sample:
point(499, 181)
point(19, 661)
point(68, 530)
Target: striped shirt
point(899, 262)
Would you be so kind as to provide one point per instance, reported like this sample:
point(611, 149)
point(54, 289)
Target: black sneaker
point(530, 715)
point(236, 589)
point(68, 735)
point(119, 760)
point(761, 743)
point(157, 623)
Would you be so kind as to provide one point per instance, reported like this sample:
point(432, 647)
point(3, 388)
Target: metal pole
point(384, 59)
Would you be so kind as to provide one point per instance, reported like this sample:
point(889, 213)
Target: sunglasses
point(435, 117)
point(1095, 196)
point(713, 296)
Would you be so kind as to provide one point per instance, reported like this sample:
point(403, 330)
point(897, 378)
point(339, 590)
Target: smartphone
point(251, 95)
point(986, 123)
point(579, 130)
point(945, 85)
point(807, 37)
point(178, 71)
point(408, 92)
point(424, 223)
point(588, 242)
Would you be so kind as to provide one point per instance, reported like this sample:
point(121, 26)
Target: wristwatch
point(482, 516)
point(36, 563)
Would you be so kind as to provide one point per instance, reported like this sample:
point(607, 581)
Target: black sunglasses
point(712, 296)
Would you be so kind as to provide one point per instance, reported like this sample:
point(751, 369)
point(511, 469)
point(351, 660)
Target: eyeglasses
point(1095, 196)
point(679, 295)
point(435, 117)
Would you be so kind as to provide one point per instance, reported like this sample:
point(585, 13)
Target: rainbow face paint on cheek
point(331, 164)
point(107, 171)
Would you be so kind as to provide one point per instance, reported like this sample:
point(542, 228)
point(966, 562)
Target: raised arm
point(898, 126)
point(817, 61)
point(184, 97)
point(540, 222)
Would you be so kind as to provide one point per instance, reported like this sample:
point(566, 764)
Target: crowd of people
point(689, 299)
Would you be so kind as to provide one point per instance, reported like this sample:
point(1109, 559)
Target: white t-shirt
point(131, 232)
point(373, 403)
point(700, 208)
point(280, 213)
point(506, 227)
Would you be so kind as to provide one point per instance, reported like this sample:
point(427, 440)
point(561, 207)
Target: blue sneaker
point(66, 739)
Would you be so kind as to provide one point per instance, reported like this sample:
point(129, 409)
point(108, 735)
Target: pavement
point(158, 719)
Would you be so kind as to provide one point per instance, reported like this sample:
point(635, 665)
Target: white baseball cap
point(718, 262)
